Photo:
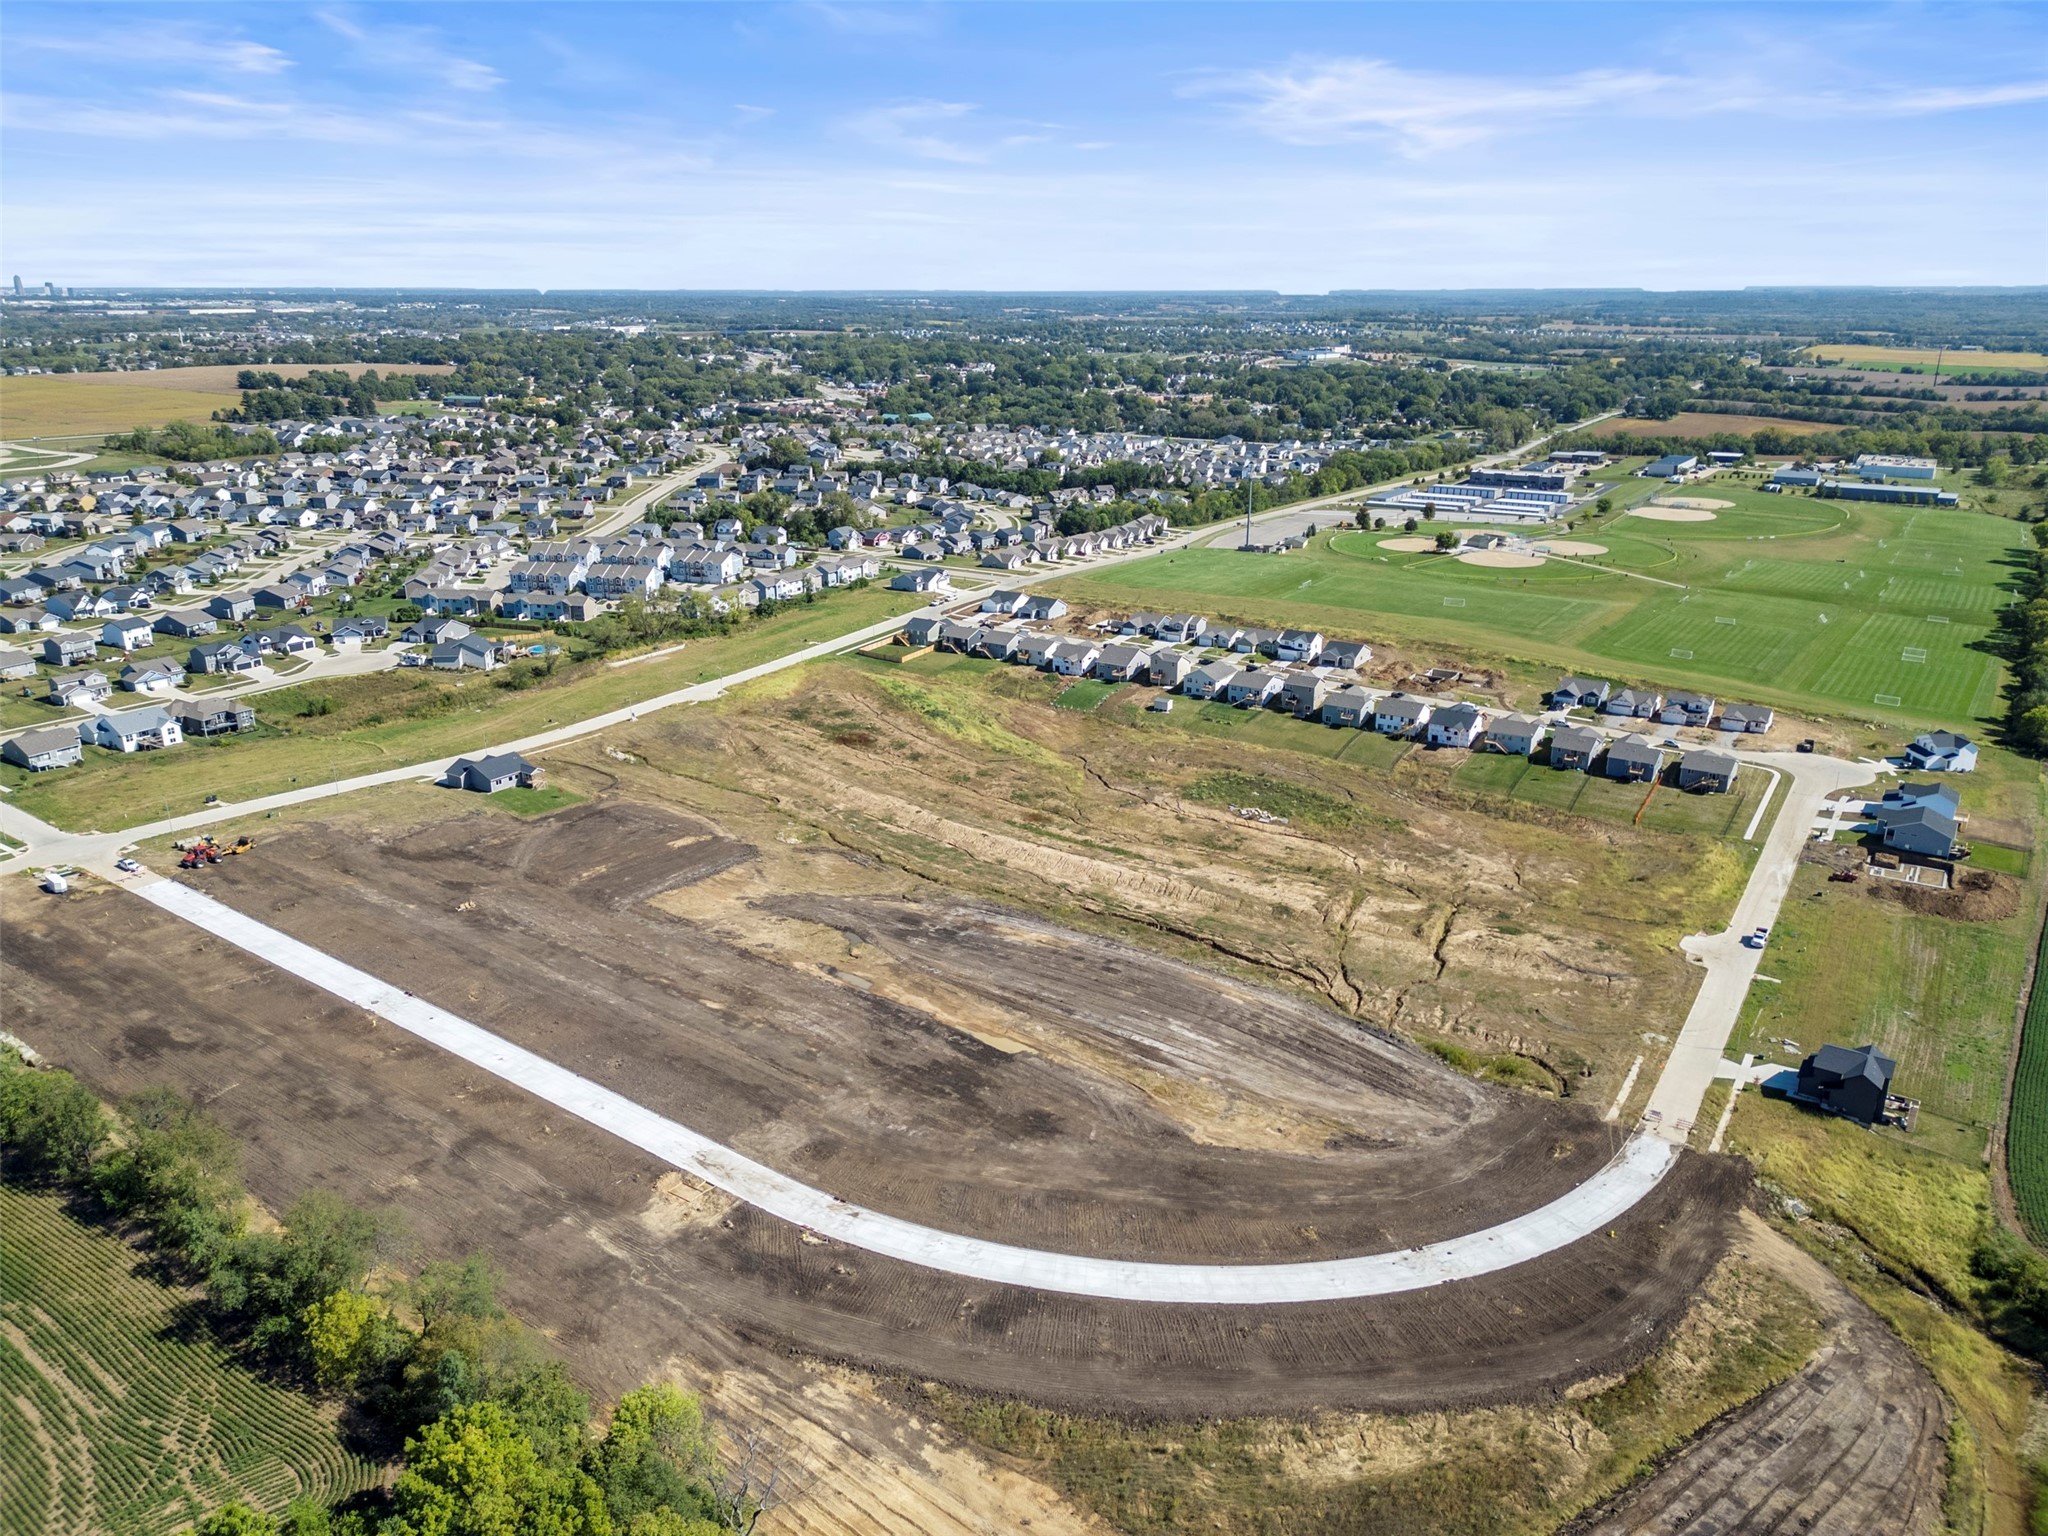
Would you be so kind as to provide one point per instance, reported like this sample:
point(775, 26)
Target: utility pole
point(1248, 514)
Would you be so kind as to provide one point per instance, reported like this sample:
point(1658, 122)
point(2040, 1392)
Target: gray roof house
point(1209, 679)
point(1170, 667)
point(1852, 1083)
point(1516, 735)
point(1254, 686)
point(1579, 693)
point(488, 775)
point(1706, 770)
point(1398, 714)
point(1637, 703)
point(1302, 695)
point(1753, 719)
point(1925, 829)
point(1574, 746)
point(1122, 663)
point(212, 716)
point(1349, 705)
point(1686, 709)
point(1455, 725)
point(43, 747)
point(1348, 654)
point(1634, 760)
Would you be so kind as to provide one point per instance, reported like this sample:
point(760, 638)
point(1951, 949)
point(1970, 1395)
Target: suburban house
point(132, 730)
point(231, 607)
point(1170, 667)
point(1635, 760)
point(1297, 645)
point(43, 747)
point(68, 650)
point(433, 631)
point(1004, 600)
point(1209, 679)
point(1941, 752)
point(929, 578)
point(1034, 649)
point(1851, 1083)
point(998, 642)
point(1302, 695)
point(956, 635)
point(130, 633)
point(185, 624)
point(1073, 658)
point(488, 775)
point(1347, 654)
point(1456, 725)
point(79, 688)
point(1686, 709)
point(1182, 628)
point(1752, 719)
point(1251, 688)
point(16, 664)
point(921, 630)
point(1634, 703)
point(358, 631)
point(1579, 693)
point(221, 656)
point(1574, 746)
point(1398, 714)
point(155, 674)
point(1122, 663)
point(1926, 829)
point(1039, 606)
point(1707, 770)
point(1349, 705)
point(464, 653)
point(1516, 735)
point(212, 717)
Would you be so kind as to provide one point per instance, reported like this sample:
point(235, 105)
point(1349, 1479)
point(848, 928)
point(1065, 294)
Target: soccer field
point(1823, 605)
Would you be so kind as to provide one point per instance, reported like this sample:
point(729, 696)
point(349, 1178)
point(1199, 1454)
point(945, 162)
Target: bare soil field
point(1706, 424)
point(1853, 1445)
point(1137, 1106)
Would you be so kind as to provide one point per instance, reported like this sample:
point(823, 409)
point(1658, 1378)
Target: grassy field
point(62, 404)
point(1705, 424)
point(390, 719)
point(119, 1416)
point(1893, 357)
point(1826, 606)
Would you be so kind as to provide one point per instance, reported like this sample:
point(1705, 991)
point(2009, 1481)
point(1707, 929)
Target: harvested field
point(1707, 424)
point(63, 404)
point(1851, 1446)
point(1317, 1136)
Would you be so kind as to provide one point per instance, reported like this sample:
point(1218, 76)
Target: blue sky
point(1042, 146)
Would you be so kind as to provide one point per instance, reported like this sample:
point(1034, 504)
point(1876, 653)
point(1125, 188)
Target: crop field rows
point(2026, 1133)
point(117, 1417)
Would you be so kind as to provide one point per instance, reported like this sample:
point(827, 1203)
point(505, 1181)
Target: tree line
point(497, 1440)
point(191, 443)
point(321, 393)
point(2025, 624)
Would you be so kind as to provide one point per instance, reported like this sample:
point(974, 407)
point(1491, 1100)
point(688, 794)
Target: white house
point(130, 633)
point(1455, 725)
point(132, 730)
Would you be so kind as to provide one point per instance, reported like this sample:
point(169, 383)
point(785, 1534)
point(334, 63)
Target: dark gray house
point(488, 775)
point(1707, 770)
point(1574, 746)
point(1925, 829)
point(1850, 1083)
point(1579, 693)
point(1634, 760)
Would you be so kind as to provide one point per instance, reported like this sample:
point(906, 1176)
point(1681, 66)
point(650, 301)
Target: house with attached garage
point(1349, 655)
point(1516, 735)
point(155, 674)
point(1303, 693)
point(78, 689)
point(955, 635)
point(354, 633)
point(432, 631)
point(927, 578)
point(999, 642)
point(1455, 725)
point(1254, 687)
point(27, 621)
point(1575, 746)
point(1209, 680)
point(1579, 693)
point(1073, 658)
point(1122, 663)
point(1941, 752)
point(1708, 771)
point(1634, 760)
point(231, 607)
point(148, 729)
point(1297, 645)
point(1039, 607)
point(1003, 600)
point(222, 656)
point(1855, 1084)
point(1035, 649)
point(1401, 714)
point(282, 640)
point(1633, 703)
point(16, 664)
point(469, 653)
point(132, 632)
point(43, 748)
point(1182, 628)
point(1349, 706)
point(488, 775)
point(212, 717)
point(921, 629)
point(1694, 709)
point(81, 607)
point(1750, 719)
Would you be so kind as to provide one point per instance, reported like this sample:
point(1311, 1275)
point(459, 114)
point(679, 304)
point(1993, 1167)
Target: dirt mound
point(1978, 896)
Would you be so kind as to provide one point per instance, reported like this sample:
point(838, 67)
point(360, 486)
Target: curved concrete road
point(1581, 1212)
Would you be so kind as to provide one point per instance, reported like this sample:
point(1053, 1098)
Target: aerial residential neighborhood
point(933, 769)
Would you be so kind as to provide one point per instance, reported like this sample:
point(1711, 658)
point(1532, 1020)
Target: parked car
point(1756, 939)
point(127, 866)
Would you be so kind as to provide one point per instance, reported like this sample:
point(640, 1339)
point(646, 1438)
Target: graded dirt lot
point(1059, 1089)
point(1853, 1445)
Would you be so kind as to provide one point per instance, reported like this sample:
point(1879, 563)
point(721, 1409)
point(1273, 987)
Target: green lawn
point(1085, 694)
point(533, 802)
point(119, 1415)
point(1827, 606)
point(392, 719)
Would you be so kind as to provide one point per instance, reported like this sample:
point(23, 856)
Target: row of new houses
point(150, 728)
point(1676, 708)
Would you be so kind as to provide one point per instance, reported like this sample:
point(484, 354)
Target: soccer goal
point(1678, 655)
point(1454, 602)
point(1719, 620)
point(1937, 618)
point(1888, 700)
point(1914, 653)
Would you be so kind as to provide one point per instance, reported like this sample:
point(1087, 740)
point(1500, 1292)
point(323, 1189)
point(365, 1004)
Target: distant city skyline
point(1041, 147)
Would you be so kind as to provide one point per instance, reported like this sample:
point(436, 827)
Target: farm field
point(68, 404)
point(1705, 424)
point(1927, 357)
point(1825, 606)
point(118, 1416)
point(2026, 1137)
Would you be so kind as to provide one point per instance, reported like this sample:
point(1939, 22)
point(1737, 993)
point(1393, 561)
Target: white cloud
point(416, 50)
point(907, 127)
point(160, 46)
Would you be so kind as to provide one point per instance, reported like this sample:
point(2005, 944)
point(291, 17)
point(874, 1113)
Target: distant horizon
point(1504, 290)
point(834, 146)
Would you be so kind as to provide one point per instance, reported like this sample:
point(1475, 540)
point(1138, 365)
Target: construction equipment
point(242, 845)
point(1845, 876)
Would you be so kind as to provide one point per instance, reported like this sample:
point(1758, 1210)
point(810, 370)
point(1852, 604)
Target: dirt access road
point(537, 930)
